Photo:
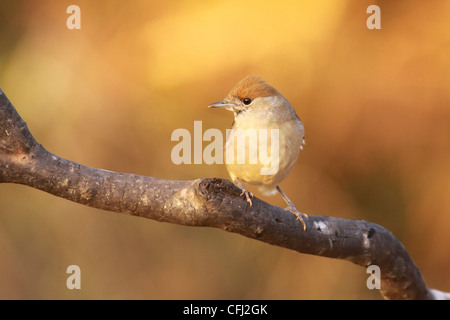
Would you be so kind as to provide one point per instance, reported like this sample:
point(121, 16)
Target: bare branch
point(210, 202)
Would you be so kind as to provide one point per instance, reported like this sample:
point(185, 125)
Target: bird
point(261, 111)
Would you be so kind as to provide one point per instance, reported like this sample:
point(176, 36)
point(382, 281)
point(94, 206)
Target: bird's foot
point(248, 194)
point(299, 215)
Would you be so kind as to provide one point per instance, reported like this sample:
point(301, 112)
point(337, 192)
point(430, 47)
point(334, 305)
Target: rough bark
point(210, 202)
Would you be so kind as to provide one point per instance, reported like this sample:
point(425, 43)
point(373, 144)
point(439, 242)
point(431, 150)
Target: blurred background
point(375, 105)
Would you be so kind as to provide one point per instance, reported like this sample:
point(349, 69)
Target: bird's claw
point(299, 215)
point(248, 196)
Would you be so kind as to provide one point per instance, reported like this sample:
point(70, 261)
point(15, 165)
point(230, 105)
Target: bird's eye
point(247, 101)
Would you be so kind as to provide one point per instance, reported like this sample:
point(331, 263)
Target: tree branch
point(210, 202)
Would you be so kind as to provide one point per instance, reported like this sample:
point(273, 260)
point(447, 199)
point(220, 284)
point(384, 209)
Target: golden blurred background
point(375, 105)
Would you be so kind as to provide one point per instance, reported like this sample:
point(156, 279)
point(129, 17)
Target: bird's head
point(249, 93)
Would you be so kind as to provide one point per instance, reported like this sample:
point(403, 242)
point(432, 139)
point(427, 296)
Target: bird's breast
point(261, 151)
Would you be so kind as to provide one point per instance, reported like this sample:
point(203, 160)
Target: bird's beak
point(221, 104)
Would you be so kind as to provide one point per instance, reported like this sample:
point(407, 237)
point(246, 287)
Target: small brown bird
point(262, 118)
